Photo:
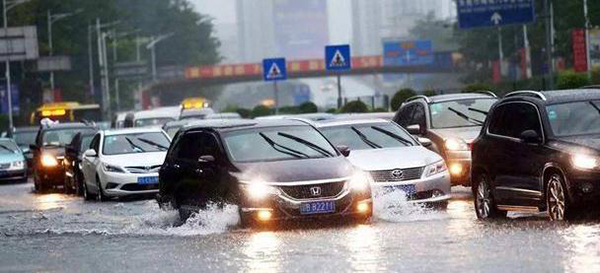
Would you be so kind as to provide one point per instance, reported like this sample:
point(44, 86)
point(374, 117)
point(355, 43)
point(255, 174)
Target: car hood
point(580, 143)
point(393, 158)
point(295, 170)
point(468, 134)
point(8, 158)
point(136, 159)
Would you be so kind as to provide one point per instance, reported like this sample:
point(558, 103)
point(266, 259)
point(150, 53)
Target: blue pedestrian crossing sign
point(337, 57)
point(274, 69)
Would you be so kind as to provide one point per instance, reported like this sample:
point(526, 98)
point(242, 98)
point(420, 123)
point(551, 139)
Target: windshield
point(25, 138)
point(368, 136)
point(135, 143)
point(152, 122)
point(171, 131)
point(574, 118)
point(8, 147)
point(460, 113)
point(60, 137)
point(279, 143)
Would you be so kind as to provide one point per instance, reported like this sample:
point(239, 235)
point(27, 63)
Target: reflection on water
point(365, 249)
point(583, 248)
point(50, 201)
point(263, 252)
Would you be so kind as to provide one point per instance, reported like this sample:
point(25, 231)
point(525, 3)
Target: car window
point(94, 144)
point(85, 143)
point(135, 143)
point(277, 143)
point(171, 131)
point(574, 118)
point(152, 122)
point(515, 119)
point(459, 113)
point(60, 137)
point(25, 138)
point(419, 116)
point(368, 136)
point(193, 145)
point(404, 116)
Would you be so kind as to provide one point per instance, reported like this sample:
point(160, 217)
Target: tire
point(86, 193)
point(101, 197)
point(557, 200)
point(485, 206)
point(67, 188)
point(38, 184)
point(78, 181)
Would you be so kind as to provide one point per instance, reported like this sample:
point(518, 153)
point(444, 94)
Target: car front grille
point(324, 190)
point(143, 169)
point(397, 175)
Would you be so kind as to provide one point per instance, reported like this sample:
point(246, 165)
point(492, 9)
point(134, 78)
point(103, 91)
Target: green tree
point(571, 80)
point(355, 107)
point(477, 87)
point(400, 97)
point(307, 107)
point(260, 111)
point(430, 93)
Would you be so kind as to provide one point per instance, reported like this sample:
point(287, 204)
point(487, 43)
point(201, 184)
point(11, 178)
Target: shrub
point(355, 107)
point(260, 111)
point(571, 80)
point(400, 97)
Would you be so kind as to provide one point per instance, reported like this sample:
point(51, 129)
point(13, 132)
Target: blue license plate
point(317, 207)
point(148, 180)
point(408, 189)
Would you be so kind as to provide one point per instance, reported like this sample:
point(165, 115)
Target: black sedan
point(273, 170)
point(539, 151)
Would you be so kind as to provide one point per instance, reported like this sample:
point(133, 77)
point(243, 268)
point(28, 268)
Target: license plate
point(148, 180)
point(317, 207)
point(408, 189)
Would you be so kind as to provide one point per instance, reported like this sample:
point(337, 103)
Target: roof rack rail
point(527, 93)
point(487, 92)
point(303, 120)
point(418, 97)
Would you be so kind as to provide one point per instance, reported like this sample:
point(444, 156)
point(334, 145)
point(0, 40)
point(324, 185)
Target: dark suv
point(538, 151)
point(272, 169)
point(49, 152)
point(450, 122)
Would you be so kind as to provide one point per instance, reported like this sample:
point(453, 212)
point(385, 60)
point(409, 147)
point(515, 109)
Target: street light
point(115, 36)
point(6, 6)
point(151, 45)
point(52, 18)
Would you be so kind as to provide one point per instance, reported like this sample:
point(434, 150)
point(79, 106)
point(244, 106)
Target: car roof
point(67, 125)
point(160, 112)
point(136, 130)
point(459, 96)
point(233, 124)
point(376, 115)
point(26, 129)
point(345, 122)
point(561, 96)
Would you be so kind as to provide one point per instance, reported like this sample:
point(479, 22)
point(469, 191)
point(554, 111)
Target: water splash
point(391, 205)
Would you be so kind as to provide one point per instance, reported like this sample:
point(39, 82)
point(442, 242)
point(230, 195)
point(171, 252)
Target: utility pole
point(151, 46)
point(527, 53)
point(90, 59)
point(587, 39)
point(500, 50)
point(549, 53)
point(52, 18)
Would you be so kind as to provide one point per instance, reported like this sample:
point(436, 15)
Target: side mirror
point(344, 150)
point(206, 159)
point(531, 137)
point(426, 142)
point(414, 129)
point(90, 153)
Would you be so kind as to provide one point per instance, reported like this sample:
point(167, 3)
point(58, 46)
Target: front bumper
point(126, 184)
point(52, 176)
point(584, 187)
point(284, 207)
point(430, 190)
point(13, 175)
point(459, 166)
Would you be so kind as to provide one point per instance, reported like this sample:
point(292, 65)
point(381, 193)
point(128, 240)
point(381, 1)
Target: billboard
point(595, 48)
point(301, 28)
point(403, 53)
point(18, 43)
point(14, 89)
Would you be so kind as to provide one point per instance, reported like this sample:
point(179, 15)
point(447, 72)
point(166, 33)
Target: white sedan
point(124, 162)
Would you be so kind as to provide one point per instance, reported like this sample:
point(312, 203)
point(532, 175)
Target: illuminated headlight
point(435, 168)
point(257, 190)
point(360, 181)
point(585, 162)
point(456, 144)
point(112, 168)
point(18, 165)
point(49, 161)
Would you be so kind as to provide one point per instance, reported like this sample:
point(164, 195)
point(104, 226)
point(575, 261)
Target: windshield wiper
point(465, 117)
point(133, 145)
point(307, 143)
point(392, 135)
point(283, 149)
point(595, 106)
point(160, 147)
point(365, 139)
point(478, 111)
point(6, 148)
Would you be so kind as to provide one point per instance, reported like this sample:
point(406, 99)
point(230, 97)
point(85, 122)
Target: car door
point(208, 170)
point(89, 163)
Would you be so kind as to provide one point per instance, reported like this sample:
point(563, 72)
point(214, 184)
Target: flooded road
point(62, 233)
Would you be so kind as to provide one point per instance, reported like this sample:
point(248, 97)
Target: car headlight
point(435, 168)
point(49, 160)
point(18, 164)
point(360, 181)
point(112, 168)
point(456, 144)
point(585, 162)
point(257, 190)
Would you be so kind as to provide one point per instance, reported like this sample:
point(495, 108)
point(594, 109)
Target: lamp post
point(151, 45)
point(52, 18)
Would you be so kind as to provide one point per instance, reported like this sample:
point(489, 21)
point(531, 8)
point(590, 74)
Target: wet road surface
point(62, 233)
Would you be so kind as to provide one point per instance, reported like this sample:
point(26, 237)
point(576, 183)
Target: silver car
point(395, 160)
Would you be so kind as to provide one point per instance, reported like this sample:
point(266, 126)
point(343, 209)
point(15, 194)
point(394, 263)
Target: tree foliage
point(400, 97)
point(355, 107)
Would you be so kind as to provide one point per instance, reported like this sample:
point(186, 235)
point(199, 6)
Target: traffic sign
point(405, 53)
point(274, 69)
point(473, 14)
point(337, 57)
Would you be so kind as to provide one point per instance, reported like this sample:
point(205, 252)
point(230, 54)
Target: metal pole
point(527, 53)
point(106, 76)
point(50, 47)
point(7, 64)
point(117, 94)
point(90, 58)
point(102, 64)
point(587, 39)
point(153, 55)
point(276, 96)
point(339, 85)
point(500, 50)
point(550, 70)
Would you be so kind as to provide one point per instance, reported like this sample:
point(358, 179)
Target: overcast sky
point(340, 28)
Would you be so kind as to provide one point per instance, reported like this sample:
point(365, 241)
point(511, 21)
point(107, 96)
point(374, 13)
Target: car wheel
point(101, 197)
point(86, 193)
point(38, 183)
point(556, 199)
point(485, 207)
point(67, 188)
